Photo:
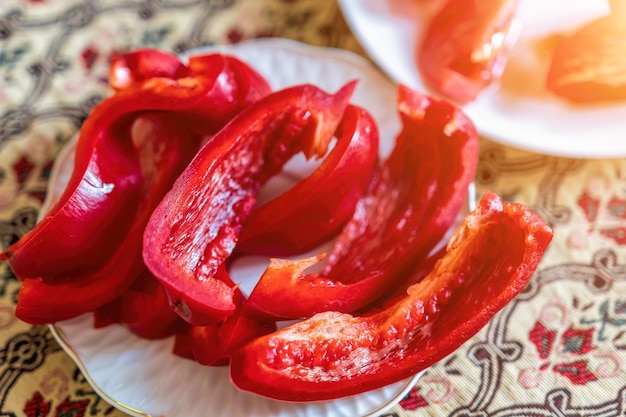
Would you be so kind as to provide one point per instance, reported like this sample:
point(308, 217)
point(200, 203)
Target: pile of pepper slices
point(163, 198)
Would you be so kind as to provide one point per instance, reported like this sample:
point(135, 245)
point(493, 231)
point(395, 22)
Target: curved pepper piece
point(165, 149)
point(130, 157)
point(466, 45)
point(413, 200)
point(315, 209)
point(196, 226)
point(143, 64)
point(489, 260)
point(588, 65)
point(212, 345)
point(144, 309)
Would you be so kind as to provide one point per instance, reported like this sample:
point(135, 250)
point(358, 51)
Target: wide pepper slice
point(196, 226)
point(315, 209)
point(412, 201)
point(166, 149)
point(90, 241)
point(489, 260)
point(588, 65)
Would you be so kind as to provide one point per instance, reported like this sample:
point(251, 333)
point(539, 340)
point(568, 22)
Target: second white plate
point(521, 113)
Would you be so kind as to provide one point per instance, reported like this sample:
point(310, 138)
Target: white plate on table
point(143, 378)
point(521, 112)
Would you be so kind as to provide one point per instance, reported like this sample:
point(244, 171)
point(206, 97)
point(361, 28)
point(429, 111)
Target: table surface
point(558, 350)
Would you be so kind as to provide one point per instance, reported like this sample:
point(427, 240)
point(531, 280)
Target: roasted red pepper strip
point(67, 275)
point(413, 200)
point(195, 228)
point(489, 260)
point(316, 208)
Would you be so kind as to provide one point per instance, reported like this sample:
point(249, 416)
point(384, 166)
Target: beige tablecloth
point(558, 350)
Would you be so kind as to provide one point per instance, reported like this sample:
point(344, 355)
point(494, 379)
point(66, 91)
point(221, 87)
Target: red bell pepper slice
point(212, 345)
point(465, 47)
point(315, 209)
point(143, 64)
point(196, 226)
point(87, 250)
point(413, 200)
point(489, 260)
point(182, 343)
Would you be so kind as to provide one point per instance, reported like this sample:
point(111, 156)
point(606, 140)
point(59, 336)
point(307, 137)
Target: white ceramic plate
point(143, 377)
point(521, 112)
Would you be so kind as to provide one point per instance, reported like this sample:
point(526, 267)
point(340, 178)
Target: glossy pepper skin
point(488, 261)
point(87, 250)
point(412, 201)
point(196, 226)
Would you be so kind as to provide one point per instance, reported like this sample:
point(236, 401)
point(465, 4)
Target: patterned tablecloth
point(558, 350)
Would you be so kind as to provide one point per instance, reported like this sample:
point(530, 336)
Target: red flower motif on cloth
point(413, 400)
point(433, 389)
point(573, 342)
point(31, 177)
point(69, 408)
point(22, 168)
point(605, 212)
point(89, 55)
point(37, 406)
point(564, 348)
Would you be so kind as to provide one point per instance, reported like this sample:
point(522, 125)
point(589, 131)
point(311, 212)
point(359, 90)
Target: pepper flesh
point(413, 200)
point(488, 261)
point(196, 226)
point(87, 250)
